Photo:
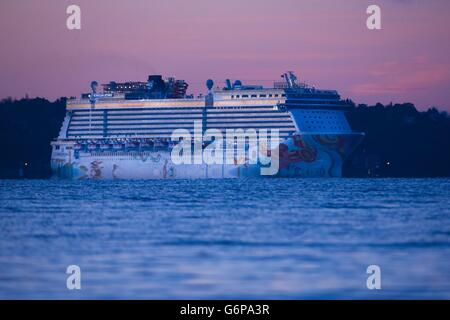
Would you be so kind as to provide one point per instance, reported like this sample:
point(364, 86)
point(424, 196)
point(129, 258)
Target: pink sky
point(325, 41)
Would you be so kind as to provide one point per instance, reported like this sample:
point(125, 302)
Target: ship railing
point(338, 105)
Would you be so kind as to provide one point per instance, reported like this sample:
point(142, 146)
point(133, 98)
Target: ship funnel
point(228, 82)
point(94, 85)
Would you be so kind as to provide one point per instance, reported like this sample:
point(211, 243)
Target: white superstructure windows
point(255, 95)
point(160, 122)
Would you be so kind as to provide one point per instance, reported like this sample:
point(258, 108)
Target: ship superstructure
point(125, 132)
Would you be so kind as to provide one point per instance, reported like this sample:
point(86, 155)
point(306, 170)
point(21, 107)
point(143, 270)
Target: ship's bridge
point(254, 93)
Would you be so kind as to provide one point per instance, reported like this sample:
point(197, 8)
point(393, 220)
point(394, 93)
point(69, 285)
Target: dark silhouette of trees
point(400, 141)
point(27, 127)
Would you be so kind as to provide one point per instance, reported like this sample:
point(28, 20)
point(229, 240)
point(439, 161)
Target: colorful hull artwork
point(302, 155)
point(310, 155)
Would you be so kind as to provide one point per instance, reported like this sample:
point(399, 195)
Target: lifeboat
point(158, 143)
point(104, 146)
point(132, 145)
point(145, 144)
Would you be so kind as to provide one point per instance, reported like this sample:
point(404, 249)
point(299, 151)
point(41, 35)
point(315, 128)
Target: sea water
point(225, 239)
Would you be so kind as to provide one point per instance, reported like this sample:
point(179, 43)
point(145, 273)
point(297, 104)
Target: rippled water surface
point(262, 238)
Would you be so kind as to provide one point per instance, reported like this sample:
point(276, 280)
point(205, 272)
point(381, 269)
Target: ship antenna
point(291, 80)
point(209, 102)
point(92, 98)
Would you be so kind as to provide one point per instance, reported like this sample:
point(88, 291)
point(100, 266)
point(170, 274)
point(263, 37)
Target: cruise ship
point(131, 131)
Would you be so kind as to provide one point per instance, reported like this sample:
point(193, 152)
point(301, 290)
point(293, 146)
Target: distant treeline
point(399, 141)
point(27, 127)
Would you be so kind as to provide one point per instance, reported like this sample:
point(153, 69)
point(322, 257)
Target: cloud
point(418, 73)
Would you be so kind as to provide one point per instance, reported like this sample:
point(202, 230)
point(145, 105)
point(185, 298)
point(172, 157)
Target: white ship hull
point(300, 156)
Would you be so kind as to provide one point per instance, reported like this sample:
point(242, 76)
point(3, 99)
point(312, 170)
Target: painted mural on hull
point(300, 156)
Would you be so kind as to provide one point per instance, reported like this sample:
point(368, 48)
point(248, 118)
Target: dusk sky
point(325, 41)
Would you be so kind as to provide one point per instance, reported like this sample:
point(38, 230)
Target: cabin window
point(270, 95)
point(262, 96)
point(276, 95)
point(237, 96)
point(245, 96)
point(254, 95)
